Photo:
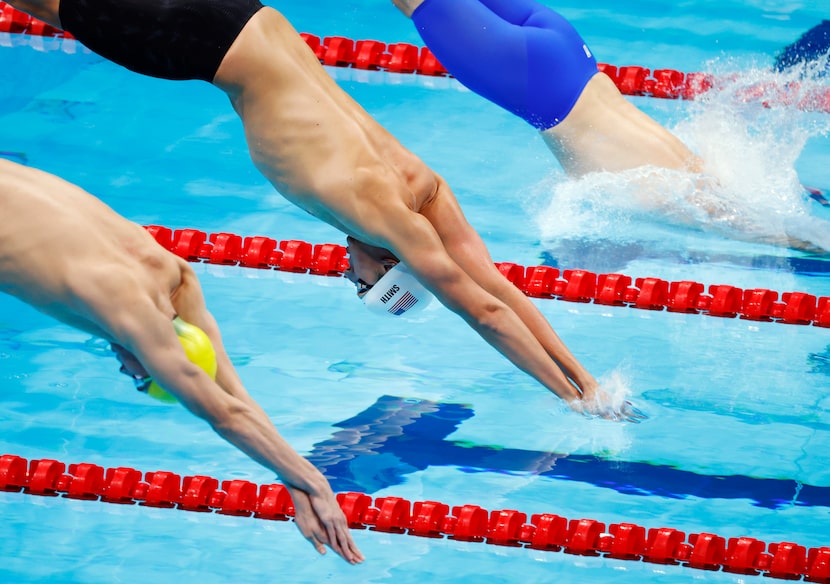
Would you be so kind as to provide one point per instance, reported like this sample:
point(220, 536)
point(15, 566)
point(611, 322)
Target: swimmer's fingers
point(340, 540)
point(633, 414)
point(307, 521)
point(626, 413)
point(593, 409)
point(325, 524)
point(337, 537)
point(318, 545)
point(590, 411)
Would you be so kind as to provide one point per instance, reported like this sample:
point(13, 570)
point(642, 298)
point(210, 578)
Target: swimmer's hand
point(606, 399)
point(321, 521)
point(603, 406)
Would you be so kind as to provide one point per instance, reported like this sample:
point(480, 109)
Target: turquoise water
point(739, 416)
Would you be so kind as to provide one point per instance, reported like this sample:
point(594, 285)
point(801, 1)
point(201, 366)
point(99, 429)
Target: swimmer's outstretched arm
point(233, 414)
point(593, 400)
point(436, 258)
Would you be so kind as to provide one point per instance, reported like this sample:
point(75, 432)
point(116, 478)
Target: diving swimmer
point(328, 156)
point(70, 256)
point(528, 59)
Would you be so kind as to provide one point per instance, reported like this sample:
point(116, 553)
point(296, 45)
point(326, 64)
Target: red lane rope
point(330, 259)
point(337, 51)
point(505, 527)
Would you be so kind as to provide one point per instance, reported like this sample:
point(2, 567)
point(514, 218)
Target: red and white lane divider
point(506, 527)
point(330, 259)
point(337, 51)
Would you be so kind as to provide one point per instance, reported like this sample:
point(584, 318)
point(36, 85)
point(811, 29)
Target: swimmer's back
point(55, 235)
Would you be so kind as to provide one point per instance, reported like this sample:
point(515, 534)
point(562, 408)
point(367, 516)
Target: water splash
point(613, 398)
point(617, 385)
point(750, 132)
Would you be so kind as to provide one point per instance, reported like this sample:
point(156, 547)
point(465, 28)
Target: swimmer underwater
point(529, 60)
point(328, 156)
point(70, 256)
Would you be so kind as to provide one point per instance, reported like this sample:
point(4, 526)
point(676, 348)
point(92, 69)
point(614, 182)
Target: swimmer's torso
point(308, 137)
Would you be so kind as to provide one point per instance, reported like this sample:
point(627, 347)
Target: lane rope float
point(544, 282)
point(406, 58)
point(431, 519)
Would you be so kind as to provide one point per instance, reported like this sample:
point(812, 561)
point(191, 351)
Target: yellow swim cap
point(199, 350)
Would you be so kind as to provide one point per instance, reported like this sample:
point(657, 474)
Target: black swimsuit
point(171, 39)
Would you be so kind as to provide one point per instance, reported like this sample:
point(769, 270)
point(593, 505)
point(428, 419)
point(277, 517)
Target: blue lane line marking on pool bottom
point(398, 436)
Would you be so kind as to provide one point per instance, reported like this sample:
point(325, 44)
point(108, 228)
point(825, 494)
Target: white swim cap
point(397, 293)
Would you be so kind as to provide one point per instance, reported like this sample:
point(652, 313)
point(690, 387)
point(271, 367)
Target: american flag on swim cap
point(403, 304)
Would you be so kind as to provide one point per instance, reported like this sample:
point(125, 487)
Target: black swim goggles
point(362, 286)
point(142, 382)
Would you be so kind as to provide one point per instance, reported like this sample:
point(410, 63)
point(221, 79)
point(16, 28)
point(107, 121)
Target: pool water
point(739, 413)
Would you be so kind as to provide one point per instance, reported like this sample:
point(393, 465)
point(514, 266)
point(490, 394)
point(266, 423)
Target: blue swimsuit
point(517, 53)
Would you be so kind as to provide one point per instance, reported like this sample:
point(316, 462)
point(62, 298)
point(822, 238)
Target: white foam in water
point(573, 433)
point(616, 392)
point(617, 386)
point(750, 190)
